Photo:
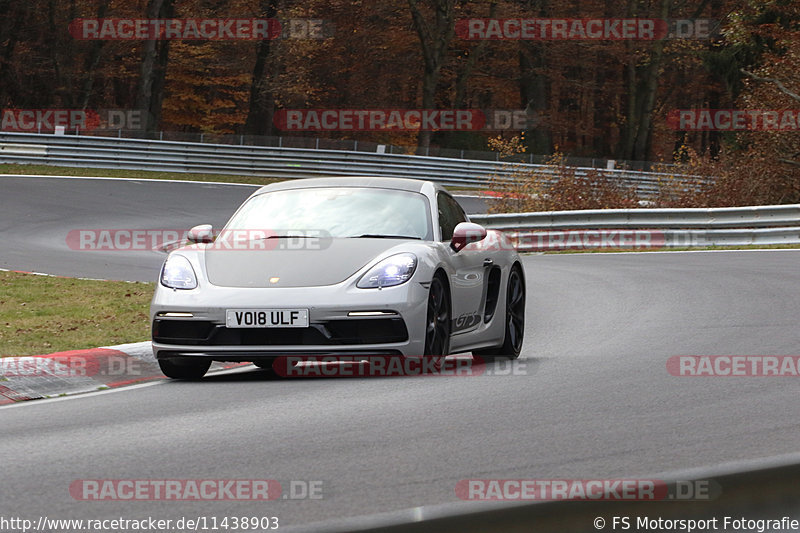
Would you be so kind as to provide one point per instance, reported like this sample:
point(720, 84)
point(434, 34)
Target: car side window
point(450, 215)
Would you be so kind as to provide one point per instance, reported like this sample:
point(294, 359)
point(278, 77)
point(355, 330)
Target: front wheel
point(184, 367)
point(437, 322)
point(515, 321)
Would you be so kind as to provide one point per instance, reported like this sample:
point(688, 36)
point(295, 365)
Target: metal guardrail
point(649, 228)
point(272, 162)
point(354, 145)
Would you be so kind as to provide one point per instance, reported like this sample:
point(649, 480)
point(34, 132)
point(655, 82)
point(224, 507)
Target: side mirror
point(203, 233)
point(466, 233)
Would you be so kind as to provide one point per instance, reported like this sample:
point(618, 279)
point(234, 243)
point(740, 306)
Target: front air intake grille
point(329, 333)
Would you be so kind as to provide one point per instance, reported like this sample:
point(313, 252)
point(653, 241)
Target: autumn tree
point(262, 102)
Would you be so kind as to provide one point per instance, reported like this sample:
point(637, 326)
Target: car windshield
point(337, 212)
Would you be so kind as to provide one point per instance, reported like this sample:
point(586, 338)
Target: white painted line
point(155, 381)
point(82, 395)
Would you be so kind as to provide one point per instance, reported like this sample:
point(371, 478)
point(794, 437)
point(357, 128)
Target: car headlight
point(394, 270)
point(177, 273)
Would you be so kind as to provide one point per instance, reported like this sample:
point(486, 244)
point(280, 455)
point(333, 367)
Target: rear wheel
point(184, 367)
point(515, 321)
point(437, 323)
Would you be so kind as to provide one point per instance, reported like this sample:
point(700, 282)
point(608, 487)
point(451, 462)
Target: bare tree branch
point(774, 81)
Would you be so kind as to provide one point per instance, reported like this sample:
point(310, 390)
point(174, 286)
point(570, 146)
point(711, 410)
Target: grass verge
point(43, 314)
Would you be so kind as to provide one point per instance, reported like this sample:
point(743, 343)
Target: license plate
point(266, 318)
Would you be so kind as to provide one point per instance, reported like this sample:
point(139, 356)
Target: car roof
point(403, 184)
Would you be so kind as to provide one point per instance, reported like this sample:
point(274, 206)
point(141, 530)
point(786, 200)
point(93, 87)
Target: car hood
point(333, 261)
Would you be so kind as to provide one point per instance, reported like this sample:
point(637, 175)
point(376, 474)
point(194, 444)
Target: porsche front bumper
point(343, 320)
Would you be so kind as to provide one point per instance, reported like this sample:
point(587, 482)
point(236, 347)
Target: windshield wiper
point(376, 236)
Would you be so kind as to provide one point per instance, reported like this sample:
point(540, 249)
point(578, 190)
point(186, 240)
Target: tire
point(437, 321)
point(515, 321)
point(184, 367)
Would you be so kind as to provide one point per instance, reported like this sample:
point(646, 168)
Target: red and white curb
point(79, 371)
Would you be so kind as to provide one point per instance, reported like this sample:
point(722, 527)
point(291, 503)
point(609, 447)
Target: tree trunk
point(434, 42)
point(642, 103)
point(8, 89)
point(534, 95)
point(459, 100)
point(534, 90)
point(59, 79)
point(92, 61)
point(155, 56)
point(262, 103)
point(650, 84)
point(628, 133)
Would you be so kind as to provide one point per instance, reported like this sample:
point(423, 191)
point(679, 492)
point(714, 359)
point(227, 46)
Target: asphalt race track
point(37, 213)
point(590, 398)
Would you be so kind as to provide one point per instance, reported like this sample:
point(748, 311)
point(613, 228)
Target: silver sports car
point(339, 266)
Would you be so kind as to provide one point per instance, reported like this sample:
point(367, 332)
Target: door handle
point(487, 262)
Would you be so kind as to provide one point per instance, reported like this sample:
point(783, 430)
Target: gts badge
point(465, 321)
